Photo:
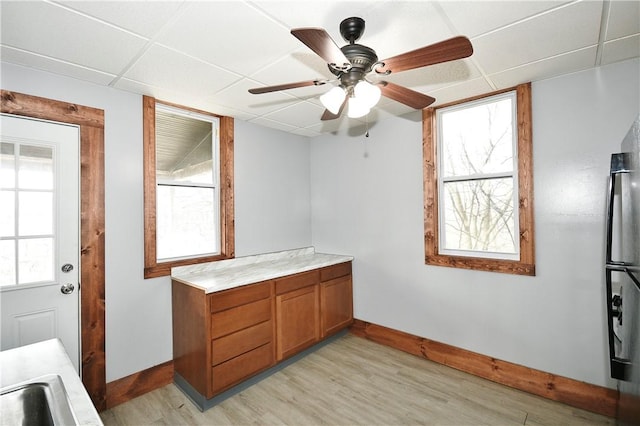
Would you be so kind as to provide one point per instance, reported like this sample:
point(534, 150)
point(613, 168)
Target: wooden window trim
point(526, 264)
point(227, 235)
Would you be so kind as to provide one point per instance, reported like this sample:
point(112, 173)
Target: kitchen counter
point(48, 357)
point(223, 275)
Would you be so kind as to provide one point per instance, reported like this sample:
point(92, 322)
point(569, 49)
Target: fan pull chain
point(366, 123)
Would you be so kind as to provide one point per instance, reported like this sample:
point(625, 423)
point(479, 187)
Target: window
point(478, 183)
point(27, 228)
point(188, 187)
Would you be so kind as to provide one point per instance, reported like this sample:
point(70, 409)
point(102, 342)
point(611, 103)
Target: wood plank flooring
point(353, 381)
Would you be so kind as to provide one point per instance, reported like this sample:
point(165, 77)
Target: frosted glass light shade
point(333, 99)
point(367, 93)
point(357, 108)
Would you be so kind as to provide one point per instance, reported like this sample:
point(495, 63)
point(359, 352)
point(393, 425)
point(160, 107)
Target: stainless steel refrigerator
point(622, 275)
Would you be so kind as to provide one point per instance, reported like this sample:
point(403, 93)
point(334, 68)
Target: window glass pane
point(478, 139)
point(479, 216)
point(35, 213)
point(184, 148)
point(35, 260)
point(7, 262)
point(7, 214)
point(185, 222)
point(35, 169)
point(7, 165)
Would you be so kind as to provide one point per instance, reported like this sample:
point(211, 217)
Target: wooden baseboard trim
point(572, 392)
point(137, 384)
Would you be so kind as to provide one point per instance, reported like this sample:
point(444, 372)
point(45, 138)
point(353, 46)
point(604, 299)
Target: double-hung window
point(478, 184)
point(188, 210)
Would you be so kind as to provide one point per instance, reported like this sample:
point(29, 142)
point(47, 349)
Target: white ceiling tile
point(301, 65)
point(314, 13)
point(436, 76)
point(624, 19)
point(300, 114)
point(145, 18)
point(468, 89)
point(54, 31)
point(273, 124)
point(229, 33)
point(397, 27)
point(162, 67)
point(207, 54)
point(238, 95)
point(565, 29)
point(306, 132)
point(472, 18)
point(621, 49)
point(55, 66)
point(547, 68)
point(190, 100)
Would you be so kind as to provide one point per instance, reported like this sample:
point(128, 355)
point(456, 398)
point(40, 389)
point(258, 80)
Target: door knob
point(67, 288)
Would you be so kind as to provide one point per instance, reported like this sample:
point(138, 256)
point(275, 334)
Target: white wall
point(272, 211)
point(367, 201)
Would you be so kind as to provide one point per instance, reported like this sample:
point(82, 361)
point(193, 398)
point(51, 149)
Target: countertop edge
point(220, 279)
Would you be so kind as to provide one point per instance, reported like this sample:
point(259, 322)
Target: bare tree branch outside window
point(477, 169)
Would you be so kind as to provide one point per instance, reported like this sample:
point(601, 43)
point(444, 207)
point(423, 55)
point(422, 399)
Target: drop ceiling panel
point(467, 89)
point(422, 25)
point(436, 76)
point(32, 60)
point(238, 95)
point(207, 54)
point(165, 68)
point(300, 114)
point(473, 18)
point(568, 28)
point(56, 32)
point(562, 64)
point(232, 34)
point(621, 49)
point(624, 19)
point(144, 18)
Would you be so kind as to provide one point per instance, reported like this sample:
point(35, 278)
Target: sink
point(39, 401)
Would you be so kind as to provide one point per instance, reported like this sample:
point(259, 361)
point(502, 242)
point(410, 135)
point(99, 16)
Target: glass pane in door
point(27, 232)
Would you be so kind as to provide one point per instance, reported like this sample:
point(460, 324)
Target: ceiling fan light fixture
point(357, 108)
point(333, 99)
point(368, 93)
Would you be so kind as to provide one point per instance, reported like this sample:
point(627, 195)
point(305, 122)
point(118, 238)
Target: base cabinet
point(298, 321)
point(223, 338)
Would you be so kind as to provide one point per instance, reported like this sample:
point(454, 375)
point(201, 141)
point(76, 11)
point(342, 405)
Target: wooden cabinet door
point(336, 305)
point(297, 320)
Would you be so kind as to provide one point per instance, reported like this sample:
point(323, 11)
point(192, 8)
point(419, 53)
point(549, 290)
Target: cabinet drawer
point(335, 271)
point(294, 282)
point(234, 319)
point(239, 296)
point(235, 344)
point(236, 369)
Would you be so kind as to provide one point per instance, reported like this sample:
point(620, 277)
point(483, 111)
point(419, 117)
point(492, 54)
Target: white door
point(39, 233)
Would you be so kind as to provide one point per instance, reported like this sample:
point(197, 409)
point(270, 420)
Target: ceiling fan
point(352, 63)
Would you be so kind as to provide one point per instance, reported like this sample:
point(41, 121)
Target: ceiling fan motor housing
point(362, 58)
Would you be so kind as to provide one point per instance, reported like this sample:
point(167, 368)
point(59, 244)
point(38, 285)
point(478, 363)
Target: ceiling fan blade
point(328, 115)
point(320, 42)
point(405, 96)
point(444, 51)
point(267, 89)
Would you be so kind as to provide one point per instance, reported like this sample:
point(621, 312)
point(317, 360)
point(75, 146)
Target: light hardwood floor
point(353, 381)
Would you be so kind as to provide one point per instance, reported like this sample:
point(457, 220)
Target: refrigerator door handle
point(619, 366)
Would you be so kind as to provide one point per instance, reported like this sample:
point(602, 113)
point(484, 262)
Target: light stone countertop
point(48, 357)
point(226, 274)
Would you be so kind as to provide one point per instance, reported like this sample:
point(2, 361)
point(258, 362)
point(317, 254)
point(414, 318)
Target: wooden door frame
point(92, 263)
